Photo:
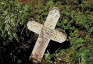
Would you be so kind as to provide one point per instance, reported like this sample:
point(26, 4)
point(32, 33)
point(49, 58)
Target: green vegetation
point(16, 41)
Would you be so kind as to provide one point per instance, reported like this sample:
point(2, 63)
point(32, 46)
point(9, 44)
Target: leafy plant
point(76, 19)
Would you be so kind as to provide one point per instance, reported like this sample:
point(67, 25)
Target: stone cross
point(46, 32)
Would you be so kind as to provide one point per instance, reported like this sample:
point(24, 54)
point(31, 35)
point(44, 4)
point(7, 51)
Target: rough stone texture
point(46, 32)
point(34, 26)
point(41, 45)
point(52, 19)
point(58, 36)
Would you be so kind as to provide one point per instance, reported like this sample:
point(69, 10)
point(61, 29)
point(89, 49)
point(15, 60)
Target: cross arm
point(34, 26)
point(58, 36)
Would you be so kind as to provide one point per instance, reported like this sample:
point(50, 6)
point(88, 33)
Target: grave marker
point(46, 32)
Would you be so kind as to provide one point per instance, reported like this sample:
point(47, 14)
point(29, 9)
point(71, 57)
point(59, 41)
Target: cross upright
point(46, 32)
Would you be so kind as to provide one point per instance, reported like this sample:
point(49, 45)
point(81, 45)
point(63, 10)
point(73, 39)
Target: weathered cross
point(46, 32)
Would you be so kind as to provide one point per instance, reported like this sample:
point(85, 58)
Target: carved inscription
point(46, 32)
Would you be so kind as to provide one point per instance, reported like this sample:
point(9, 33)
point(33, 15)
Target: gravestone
point(46, 33)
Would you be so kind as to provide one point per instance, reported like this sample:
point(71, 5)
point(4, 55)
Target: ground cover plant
point(17, 42)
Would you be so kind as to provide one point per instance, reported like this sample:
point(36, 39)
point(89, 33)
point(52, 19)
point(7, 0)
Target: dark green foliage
point(76, 19)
